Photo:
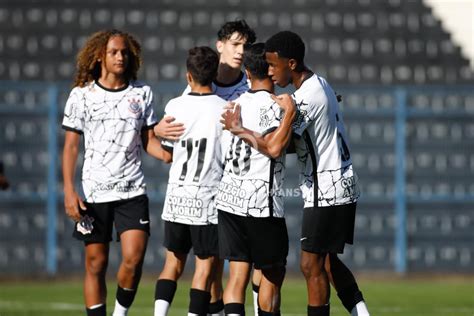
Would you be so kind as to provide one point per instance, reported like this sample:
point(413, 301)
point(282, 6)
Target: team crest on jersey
point(300, 116)
point(264, 119)
point(134, 107)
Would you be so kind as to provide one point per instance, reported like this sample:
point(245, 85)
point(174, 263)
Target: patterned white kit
point(197, 160)
point(319, 122)
point(112, 122)
point(251, 185)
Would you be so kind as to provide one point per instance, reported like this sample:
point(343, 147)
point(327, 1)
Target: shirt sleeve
point(270, 118)
point(74, 112)
point(308, 109)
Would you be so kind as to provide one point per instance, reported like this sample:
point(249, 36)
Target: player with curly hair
point(114, 113)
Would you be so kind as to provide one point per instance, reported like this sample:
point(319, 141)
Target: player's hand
point(169, 130)
point(72, 203)
point(285, 101)
point(231, 119)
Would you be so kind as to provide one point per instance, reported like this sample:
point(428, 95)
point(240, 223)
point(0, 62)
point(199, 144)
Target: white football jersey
point(228, 92)
point(112, 122)
point(321, 141)
point(197, 160)
point(252, 182)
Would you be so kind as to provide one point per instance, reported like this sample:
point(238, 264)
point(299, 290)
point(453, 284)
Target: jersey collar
point(241, 76)
point(200, 94)
point(258, 90)
point(112, 90)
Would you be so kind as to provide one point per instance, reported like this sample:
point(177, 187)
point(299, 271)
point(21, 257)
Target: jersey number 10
point(241, 152)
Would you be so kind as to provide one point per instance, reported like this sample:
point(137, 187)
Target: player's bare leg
point(234, 292)
point(95, 289)
point(216, 305)
point(317, 282)
point(166, 284)
point(256, 278)
point(174, 265)
point(346, 286)
point(269, 297)
point(200, 295)
point(133, 244)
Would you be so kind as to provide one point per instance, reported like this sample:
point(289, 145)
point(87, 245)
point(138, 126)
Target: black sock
point(255, 287)
point(98, 311)
point(350, 296)
point(216, 307)
point(165, 289)
point(234, 308)
point(125, 297)
point(318, 310)
point(199, 301)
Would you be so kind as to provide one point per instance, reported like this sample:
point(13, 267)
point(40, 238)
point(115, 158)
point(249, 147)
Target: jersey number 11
point(190, 144)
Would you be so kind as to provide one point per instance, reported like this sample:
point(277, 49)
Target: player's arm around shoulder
point(168, 128)
point(278, 140)
point(273, 143)
point(153, 147)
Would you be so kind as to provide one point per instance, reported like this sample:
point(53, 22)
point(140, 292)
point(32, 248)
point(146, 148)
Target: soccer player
point(114, 113)
point(328, 181)
point(229, 84)
point(249, 200)
point(189, 213)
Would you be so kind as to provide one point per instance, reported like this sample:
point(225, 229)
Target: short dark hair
point(202, 63)
point(287, 44)
point(239, 26)
point(254, 60)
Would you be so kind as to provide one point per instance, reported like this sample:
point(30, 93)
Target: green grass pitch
point(386, 296)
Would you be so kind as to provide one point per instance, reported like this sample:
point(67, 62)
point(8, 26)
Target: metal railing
point(402, 111)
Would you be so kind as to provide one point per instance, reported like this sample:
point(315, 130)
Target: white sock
point(255, 302)
point(119, 310)
point(161, 308)
point(360, 309)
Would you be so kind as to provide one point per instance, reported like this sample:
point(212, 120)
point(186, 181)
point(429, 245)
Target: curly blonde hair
point(88, 64)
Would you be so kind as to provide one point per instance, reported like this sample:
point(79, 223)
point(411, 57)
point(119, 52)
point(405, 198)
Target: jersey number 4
point(189, 144)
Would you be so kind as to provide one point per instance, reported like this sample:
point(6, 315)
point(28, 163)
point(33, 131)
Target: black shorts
point(328, 229)
point(126, 214)
point(261, 241)
point(180, 238)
